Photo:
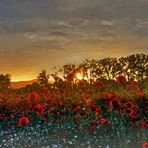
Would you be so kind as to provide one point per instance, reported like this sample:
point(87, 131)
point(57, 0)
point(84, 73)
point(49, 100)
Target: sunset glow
point(38, 35)
point(79, 76)
point(21, 78)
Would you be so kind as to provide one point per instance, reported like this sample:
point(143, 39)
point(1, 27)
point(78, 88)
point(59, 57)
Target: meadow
point(100, 114)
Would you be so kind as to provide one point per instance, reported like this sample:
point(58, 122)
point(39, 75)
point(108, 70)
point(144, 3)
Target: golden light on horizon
point(79, 76)
point(21, 78)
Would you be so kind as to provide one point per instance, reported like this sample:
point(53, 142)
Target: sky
point(41, 34)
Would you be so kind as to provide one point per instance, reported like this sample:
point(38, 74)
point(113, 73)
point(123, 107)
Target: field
point(101, 114)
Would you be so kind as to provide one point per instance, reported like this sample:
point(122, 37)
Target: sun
point(79, 76)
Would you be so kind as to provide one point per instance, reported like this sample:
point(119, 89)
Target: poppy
point(103, 121)
point(56, 112)
point(98, 114)
point(139, 124)
point(61, 103)
point(98, 108)
point(77, 108)
point(114, 103)
point(145, 145)
point(23, 121)
point(33, 96)
point(145, 123)
point(130, 111)
point(39, 109)
point(129, 105)
point(121, 79)
point(92, 107)
point(137, 88)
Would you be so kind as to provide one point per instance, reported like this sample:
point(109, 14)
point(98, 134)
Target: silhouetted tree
point(5, 81)
point(135, 66)
point(43, 78)
point(132, 67)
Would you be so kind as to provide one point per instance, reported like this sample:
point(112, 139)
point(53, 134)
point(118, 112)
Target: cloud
point(41, 33)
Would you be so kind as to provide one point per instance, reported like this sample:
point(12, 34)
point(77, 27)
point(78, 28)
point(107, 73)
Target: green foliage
point(43, 78)
point(133, 67)
point(5, 81)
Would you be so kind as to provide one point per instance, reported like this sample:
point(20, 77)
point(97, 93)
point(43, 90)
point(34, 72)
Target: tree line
point(134, 66)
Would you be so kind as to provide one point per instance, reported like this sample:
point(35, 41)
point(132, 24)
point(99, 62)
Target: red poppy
point(129, 105)
point(23, 121)
point(145, 123)
point(55, 112)
point(121, 79)
point(136, 107)
point(92, 107)
point(33, 96)
point(1, 103)
point(77, 108)
point(39, 109)
point(145, 145)
point(61, 103)
point(137, 123)
point(98, 114)
point(98, 108)
point(130, 111)
point(115, 103)
point(103, 121)
point(86, 99)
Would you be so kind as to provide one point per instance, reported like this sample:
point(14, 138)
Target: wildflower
point(121, 79)
point(137, 123)
point(77, 108)
point(114, 103)
point(23, 121)
point(33, 97)
point(134, 115)
point(103, 121)
point(98, 114)
point(87, 100)
point(39, 109)
point(137, 88)
point(145, 123)
point(55, 112)
point(1, 103)
point(61, 103)
point(129, 104)
point(92, 107)
point(130, 111)
point(145, 145)
point(142, 93)
point(98, 108)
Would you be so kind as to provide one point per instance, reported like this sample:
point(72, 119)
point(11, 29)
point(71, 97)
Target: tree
point(43, 78)
point(5, 81)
